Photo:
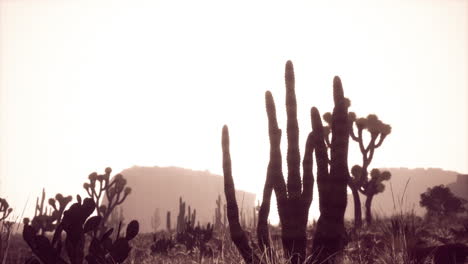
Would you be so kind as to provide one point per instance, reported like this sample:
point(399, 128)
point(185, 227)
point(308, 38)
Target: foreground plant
point(76, 223)
point(115, 191)
point(293, 197)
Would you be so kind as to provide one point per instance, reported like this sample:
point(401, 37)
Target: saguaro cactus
point(293, 197)
point(168, 221)
point(329, 239)
point(181, 217)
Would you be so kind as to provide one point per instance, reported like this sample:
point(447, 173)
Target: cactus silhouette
point(76, 223)
point(293, 197)
point(46, 220)
point(168, 221)
point(115, 193)
point(181, 217)
point(358, 181)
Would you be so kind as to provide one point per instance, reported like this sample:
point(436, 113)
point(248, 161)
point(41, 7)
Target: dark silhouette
point(403, 190)
point(293, 197)
point(76, 224)
point(115, 191)
point(359, 180)
point(440, 201)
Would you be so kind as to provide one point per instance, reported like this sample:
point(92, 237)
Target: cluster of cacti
point(184, 221)
point(293, 197)
point(76, 223)
point(115, 193)
point(46, 220)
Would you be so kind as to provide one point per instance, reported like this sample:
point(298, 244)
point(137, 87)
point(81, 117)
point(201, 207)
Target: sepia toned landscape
point(300, 132)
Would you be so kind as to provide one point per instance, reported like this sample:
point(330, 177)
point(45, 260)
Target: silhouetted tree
point(440, 201)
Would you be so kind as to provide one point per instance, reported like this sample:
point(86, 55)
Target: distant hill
point(419, 180)
point(161, 187)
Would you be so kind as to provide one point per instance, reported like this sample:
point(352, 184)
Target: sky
point(90, 84)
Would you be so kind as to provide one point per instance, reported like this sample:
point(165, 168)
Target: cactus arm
point(321, 156)
point(262, 226)
point(308, 175)
point(238, 235)
point(275, 152)
point(329, 238)
point(293, 156)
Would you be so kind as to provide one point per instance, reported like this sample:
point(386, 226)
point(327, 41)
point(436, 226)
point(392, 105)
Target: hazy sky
point(94, 83)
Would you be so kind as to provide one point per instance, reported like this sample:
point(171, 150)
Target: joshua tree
point(359, 181)
point(293, 197)
point(115, 191)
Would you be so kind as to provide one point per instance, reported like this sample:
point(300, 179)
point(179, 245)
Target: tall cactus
point(329, 239)
point(293, 197)
point(168, 221)
point(358, 180)
point(181, 217)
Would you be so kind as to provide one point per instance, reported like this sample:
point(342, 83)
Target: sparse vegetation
point(90, 229)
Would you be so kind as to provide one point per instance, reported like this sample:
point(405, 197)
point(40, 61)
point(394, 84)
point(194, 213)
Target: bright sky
point(94, 83)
